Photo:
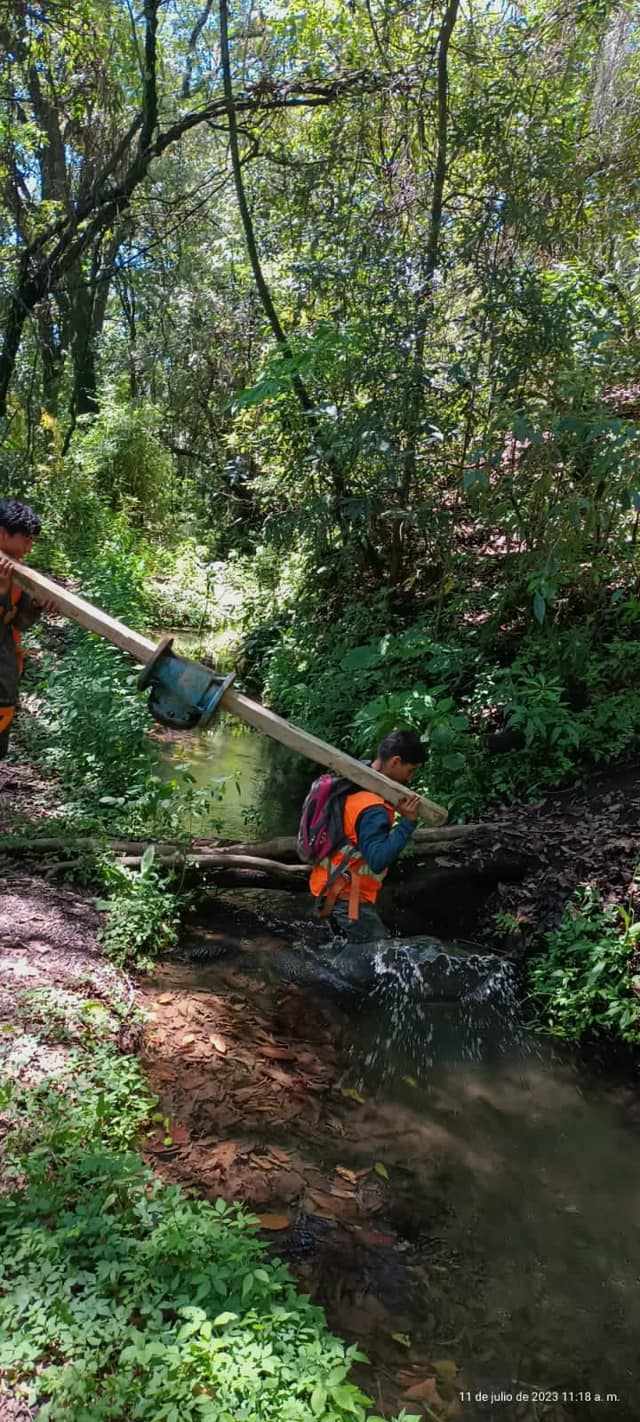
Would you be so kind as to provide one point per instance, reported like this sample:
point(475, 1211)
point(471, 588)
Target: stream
point(459, 1195)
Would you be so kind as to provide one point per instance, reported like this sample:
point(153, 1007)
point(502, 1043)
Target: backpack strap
point(334, 886)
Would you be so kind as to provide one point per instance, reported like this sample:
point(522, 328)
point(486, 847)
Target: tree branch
point(245, 215)
point(149, 87)
point(433, 241)
point(193, 40)
point(415, 393)
point(40, 266)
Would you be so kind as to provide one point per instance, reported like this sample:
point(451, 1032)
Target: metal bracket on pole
point(184, 695)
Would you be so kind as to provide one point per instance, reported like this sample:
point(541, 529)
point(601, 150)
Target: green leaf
point(318, 1400)
point(362, 658)
point(345, 1396)
point(539, 607)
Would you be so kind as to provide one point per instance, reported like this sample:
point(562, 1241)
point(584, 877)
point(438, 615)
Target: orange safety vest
point(7, 712)
point(357, 881)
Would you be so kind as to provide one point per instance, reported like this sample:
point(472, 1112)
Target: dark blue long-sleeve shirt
point(378, 842)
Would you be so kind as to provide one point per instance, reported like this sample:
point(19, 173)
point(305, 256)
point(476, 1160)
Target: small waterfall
point(429, 1004)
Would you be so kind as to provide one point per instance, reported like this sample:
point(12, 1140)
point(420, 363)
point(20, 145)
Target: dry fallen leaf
point(169, 1140)
point(179, 1134)
point(425, 1391)
point(274, 1221)
point(346, 1174)
point(262, 1161)
point(166, 997)
point(280, 1156)
point(343, 1192)
point(218, 1042)
point(373, 1236)
point(188, 1040)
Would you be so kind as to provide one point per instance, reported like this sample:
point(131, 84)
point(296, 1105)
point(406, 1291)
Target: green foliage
point(99, 1101)
point(93, 727)
point(142, 913)
point(585, 981)
point(120, 1297)
point(126, 463)
point(93, 732)
point(181, 593)
point(568, 694)
point(95, 724)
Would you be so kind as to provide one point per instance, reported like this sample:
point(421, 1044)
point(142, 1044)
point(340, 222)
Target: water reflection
point(265, 783)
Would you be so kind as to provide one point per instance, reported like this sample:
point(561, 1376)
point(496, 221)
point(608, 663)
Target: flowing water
point(512, 1175)
point(264, 784)
point(525, 1179)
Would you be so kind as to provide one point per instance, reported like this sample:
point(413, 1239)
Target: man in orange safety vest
point(346, 886)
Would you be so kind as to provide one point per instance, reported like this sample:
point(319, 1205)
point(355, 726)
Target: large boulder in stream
point(444, 974)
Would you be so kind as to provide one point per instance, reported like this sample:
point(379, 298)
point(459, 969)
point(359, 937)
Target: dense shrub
point(585, 981)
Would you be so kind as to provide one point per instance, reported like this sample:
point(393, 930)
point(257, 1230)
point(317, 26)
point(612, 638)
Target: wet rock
point(350, 971)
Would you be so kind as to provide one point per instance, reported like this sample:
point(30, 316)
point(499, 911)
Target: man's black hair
point(19, 518)
point(406, 744)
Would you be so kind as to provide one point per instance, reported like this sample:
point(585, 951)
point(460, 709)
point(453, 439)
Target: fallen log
point(293, 876)
point(438, 889)
point(424, 844)
point(285, 846)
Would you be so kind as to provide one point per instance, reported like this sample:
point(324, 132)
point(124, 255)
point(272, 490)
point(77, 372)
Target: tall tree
point(87, 117)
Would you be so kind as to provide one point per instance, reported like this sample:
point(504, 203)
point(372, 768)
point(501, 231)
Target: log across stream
point(439, 885)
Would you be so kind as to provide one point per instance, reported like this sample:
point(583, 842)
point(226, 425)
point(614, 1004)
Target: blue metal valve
point(184, 695)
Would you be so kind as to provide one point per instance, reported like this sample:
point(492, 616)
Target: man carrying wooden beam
point(19, 525)
point(360, 841)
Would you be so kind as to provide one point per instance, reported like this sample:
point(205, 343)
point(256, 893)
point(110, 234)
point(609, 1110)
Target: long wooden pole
point(142, 649)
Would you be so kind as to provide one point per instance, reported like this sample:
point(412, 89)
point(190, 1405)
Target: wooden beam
point(43, 589)
point(251, 712)
point(324, 754)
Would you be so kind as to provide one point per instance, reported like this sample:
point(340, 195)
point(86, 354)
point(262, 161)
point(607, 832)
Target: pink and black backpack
point(321, 831)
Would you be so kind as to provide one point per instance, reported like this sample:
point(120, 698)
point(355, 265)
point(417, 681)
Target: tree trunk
point(415, 392)
point(82, 333)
